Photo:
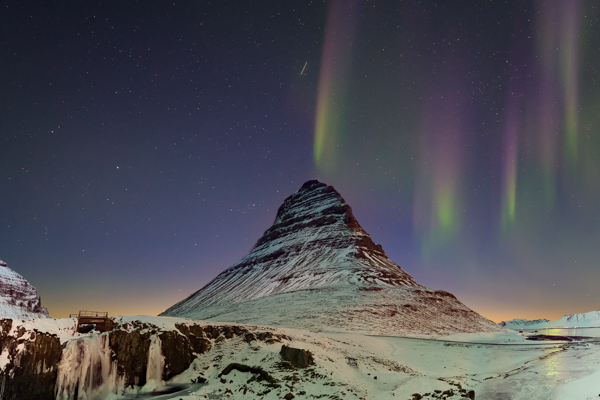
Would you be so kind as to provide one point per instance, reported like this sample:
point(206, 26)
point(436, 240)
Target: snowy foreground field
point(346, 365)
point(495, 366)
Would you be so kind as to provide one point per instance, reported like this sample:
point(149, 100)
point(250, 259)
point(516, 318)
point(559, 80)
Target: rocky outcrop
point(30, 362)
point(18, 299)
point(131, 347)
point(317, 268)
point(297, 357)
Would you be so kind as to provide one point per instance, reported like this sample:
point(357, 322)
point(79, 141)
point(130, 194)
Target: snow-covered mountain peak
point(316, 248)
point(315, 219)
point(18, 299)
point(315, 208)
point(316, 202)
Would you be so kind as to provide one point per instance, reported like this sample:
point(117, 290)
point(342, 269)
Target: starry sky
point(147, 145)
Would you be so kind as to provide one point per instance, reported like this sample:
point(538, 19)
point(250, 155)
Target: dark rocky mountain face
point(316, 245)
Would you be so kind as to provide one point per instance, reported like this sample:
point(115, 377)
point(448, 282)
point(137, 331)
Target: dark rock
point(199, 345)
point(471, 394)
point(297, 357)
point(130, 351)
point(85, 328)
point(263, 336)
point(109, 325)
point(228, 332)
point(22, 378)
point(177, 353)
point(289, 396)
point(196, 336)
point(352, 362)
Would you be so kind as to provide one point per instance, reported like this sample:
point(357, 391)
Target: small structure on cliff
point(91, 319)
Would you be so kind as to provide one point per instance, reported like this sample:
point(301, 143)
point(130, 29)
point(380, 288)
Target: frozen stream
point(570, 374)
point(592, 332)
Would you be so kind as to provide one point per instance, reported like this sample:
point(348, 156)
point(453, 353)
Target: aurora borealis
point(147, 147)
point(493, 104)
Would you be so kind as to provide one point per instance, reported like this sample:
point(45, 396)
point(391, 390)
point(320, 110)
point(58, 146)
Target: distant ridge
point(316, 267)
point(584, 320)
point(523, 323)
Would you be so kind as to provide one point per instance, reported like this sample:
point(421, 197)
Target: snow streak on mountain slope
point(18, 299)
point(585, 320)
point(318, 260)
point(394, 311)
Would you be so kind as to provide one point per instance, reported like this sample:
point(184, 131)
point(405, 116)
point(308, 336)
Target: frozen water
point(572, 373)
point(86, 368)
point(590, 332)
point(156, 364)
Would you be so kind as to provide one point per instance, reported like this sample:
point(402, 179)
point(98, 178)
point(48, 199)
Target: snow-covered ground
point(498, 365)
point(494, 365)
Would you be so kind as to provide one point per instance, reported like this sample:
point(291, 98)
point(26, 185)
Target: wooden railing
point(84, 313)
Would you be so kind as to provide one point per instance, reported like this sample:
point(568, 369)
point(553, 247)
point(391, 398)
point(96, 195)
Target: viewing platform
point(97, 318)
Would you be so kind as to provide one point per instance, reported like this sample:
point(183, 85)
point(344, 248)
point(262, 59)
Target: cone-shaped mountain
point(315, 267)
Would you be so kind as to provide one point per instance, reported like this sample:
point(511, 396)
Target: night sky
point(145, 146)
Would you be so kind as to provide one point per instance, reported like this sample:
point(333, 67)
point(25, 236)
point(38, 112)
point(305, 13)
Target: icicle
point(86, 371)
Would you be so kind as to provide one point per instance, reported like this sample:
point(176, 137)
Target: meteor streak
point(303, 68)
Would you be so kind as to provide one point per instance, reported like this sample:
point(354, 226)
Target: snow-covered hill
point(588, 320)
point(585, 320)
point(316, 267)
point(18, 299)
